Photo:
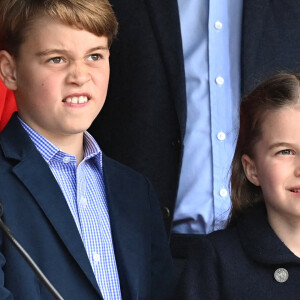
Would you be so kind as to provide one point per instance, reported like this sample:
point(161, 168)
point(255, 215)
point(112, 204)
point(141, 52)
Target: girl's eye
point(56, 60)
point(94, 57)
point(286, 152)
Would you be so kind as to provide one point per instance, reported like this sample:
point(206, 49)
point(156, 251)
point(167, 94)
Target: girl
point(257, 255)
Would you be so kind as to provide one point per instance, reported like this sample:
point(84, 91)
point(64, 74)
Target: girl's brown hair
point(16, 16)
point(275, 93)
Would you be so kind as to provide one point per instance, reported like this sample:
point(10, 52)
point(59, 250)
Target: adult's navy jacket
point(38, 215)
point(143, 120)
point(240, 263)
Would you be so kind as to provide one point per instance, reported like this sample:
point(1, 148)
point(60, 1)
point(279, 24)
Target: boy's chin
point(79, 130)
point(82, 126)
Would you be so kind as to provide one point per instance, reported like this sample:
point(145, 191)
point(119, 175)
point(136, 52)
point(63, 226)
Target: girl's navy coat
point(239, 263)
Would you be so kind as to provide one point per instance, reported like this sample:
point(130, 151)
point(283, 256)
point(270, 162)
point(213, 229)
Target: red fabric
point(7, 105)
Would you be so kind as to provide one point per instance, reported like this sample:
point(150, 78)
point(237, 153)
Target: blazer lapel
point(125, 235)
point(164, 17)
point(35, 174)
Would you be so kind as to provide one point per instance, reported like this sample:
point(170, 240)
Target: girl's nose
point(297, 168)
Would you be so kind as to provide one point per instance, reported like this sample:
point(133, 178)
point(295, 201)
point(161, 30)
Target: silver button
point(96, 257)
point(281, 275)
point(220, 80)
point(223, 193)
point(221, 136)
point(66, 159)
point(218, 25)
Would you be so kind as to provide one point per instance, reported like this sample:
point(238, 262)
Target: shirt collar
point(49, 150)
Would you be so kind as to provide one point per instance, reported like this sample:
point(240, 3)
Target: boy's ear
point(250, 169)
point(8, 70)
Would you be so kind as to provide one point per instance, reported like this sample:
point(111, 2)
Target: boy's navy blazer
point(38, 215)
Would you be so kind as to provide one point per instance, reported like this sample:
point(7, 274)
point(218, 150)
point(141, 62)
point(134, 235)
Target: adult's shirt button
point(221, 136)
point(220, 80)
point(281, 275)
point(223, 193)
point(218, 25)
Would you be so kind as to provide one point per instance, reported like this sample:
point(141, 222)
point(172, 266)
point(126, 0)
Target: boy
point(92, 225)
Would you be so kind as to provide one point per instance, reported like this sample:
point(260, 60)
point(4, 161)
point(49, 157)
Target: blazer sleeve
point(4, 293)
point(200, 279)
point(161, 261)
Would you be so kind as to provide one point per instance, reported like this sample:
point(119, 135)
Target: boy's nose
point(78, 74)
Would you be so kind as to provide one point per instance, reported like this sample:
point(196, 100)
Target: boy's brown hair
point(16, 17)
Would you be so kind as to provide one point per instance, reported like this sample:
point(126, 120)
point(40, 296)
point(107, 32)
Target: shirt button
point(96, 257)
point(83, 202)
point(281, 275)
point(221, 136)
point(66, 159)
point(223, 193)
point(218, 25)
point(220, 80)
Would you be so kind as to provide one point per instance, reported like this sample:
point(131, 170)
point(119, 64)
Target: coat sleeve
point(200, 279)
point(161, 261)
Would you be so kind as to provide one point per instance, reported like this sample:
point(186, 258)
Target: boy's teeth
point(77, 100)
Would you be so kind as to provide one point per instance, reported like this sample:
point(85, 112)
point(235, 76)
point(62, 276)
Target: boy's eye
point(56, 60)
point(286, 152)
point(94, 57)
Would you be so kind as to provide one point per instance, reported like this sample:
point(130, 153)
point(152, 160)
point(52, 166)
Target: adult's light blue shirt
point(211, 37)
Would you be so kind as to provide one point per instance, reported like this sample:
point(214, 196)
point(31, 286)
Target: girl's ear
point(250, 169)
point(8, 70)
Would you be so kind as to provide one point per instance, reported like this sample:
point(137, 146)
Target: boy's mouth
point(76, 100)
